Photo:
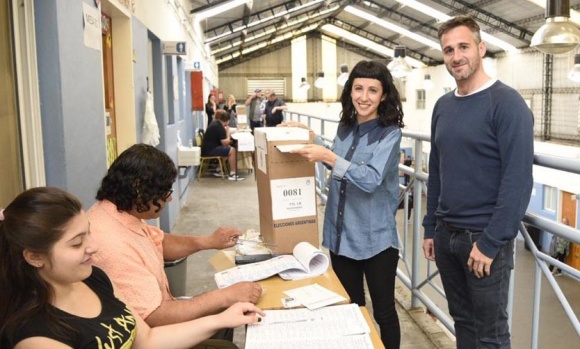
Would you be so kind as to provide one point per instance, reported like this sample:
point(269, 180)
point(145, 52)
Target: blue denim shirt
point(367, 206)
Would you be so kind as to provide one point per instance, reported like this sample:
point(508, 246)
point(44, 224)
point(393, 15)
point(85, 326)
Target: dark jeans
point(254, 124)
point(379, 272)
point(478, 306)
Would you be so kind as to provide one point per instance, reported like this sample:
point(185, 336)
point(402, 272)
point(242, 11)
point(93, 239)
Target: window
point(277, 85)
point(420, 104)
point(550, 197)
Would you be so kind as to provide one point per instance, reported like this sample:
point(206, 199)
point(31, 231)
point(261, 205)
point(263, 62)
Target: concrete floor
point(213, 202)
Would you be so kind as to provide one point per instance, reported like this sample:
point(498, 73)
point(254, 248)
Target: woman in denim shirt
point(359, 224)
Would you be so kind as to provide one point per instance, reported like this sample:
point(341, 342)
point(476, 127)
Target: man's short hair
point(459, 21)
point(257, 90)
point(222, 115)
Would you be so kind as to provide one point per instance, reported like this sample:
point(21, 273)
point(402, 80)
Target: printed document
point(337, 327)
point(313, 296)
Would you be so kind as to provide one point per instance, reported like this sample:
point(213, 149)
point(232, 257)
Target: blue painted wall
point(71, 93)
point(71, 97)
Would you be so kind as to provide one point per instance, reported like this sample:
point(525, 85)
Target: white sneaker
point(217, 174)
point(235, 177)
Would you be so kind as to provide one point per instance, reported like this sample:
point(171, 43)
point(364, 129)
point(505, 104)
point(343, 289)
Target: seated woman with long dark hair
point(52, 297)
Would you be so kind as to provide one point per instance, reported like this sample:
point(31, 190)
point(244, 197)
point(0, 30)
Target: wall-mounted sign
point(192, 65)
point(174, 48)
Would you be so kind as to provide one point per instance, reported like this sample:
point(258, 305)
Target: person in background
point(360, 229)
point(216, 142)
point(408, 162)
point(256, 105)
point(560, 249)
point(52, 297)
point(210, 108)
point(230, 108)
point(273, 110)
point(480, 183)
point(136, 188)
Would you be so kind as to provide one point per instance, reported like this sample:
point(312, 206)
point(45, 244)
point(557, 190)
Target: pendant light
point(399, 67)
point(558, 35)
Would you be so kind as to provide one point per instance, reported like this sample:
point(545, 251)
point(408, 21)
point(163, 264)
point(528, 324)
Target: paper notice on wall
point(293, 197)
point(92, 26)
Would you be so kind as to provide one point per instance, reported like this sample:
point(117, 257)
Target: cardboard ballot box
point(242, 116)
point(286, 188)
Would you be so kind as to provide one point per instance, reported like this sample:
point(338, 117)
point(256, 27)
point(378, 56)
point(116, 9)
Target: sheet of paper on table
point(336, 327)
point(314, 296)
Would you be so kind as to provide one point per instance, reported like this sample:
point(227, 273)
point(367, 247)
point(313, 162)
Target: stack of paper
point(336, 327)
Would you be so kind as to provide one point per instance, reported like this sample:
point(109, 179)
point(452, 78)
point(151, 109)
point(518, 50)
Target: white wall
point(170, 21)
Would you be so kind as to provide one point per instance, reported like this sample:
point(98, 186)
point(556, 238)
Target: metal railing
point(412, 260)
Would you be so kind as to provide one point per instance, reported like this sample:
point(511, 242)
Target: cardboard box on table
point(242, 116)
point(286, 189)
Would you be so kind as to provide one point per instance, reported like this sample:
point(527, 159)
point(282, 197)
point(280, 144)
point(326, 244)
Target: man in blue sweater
point(480, 181)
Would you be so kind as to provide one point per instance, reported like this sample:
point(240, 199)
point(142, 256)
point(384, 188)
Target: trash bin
point(176, 272)
point(535, 234)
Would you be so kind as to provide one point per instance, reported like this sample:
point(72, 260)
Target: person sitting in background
point(273, 110)
point(230, 108)
point(216, 142)
point(137, 188)
point(52, 297)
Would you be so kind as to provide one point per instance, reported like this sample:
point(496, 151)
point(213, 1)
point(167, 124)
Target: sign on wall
point(174, 48)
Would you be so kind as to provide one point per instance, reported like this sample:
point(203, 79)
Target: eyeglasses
point(168, 194)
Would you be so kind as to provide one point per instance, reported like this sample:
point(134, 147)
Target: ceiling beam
point(399, 18)
point(382, 41)
point(489, 19)
point(268, 12)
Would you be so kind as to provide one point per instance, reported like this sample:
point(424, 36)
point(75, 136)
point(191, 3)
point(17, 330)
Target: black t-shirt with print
point(114, 327)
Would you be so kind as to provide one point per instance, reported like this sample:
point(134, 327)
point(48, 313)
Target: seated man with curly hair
point(136, 188)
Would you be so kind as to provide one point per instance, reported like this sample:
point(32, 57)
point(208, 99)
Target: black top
point(114, 327)
point(233, 115)
point(210, 112)
point(273, 119)
point(213, 137)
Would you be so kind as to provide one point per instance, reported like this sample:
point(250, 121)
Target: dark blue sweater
point(480, 166)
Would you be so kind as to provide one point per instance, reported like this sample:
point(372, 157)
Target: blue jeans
point(379, 272)
point(478, 306)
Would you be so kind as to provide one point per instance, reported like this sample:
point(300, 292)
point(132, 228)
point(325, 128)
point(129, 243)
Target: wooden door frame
point(28, 105)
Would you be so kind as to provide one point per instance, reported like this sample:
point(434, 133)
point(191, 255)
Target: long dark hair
point(35, 221)
point(390, 109)
point(141, 174)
